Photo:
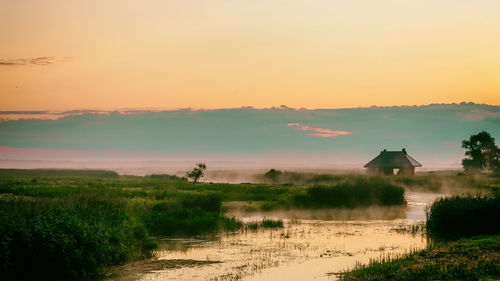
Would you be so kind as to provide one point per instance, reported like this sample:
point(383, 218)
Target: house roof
point(392, 159)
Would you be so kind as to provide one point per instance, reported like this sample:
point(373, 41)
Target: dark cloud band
point(28, 61)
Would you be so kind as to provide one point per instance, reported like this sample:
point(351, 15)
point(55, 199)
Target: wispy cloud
point(319, 132)
point(28, 61)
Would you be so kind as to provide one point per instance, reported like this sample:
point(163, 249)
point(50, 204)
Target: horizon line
point(192, 108)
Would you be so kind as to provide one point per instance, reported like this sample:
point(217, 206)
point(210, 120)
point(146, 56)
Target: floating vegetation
point(413, 229)
point(263, 224)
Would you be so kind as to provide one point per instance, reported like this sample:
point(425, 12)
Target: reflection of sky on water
point(309, 250)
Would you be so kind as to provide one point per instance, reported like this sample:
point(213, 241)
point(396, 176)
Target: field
point(83, 221)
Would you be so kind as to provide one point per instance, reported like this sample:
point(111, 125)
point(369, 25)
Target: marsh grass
point(67, 227)
point(470, 259)
point(445, 181)
point(456, 217)
point(264, 224)
point(67, 239)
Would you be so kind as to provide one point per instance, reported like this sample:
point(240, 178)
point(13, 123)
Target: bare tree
point(197, 173)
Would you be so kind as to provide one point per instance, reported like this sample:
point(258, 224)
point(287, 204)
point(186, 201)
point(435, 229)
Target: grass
point(465, 236)
point(82, 221)
point(69, 225)
point(457, 217)
point(360, 193)
point(67, 238)
point(444, 181)
point(355, 193)
point(265, 223)
point(475, 258)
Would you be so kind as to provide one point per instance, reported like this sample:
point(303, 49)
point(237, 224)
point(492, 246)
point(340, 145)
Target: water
point(307, 248)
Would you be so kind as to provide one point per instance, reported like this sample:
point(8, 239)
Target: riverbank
point(476, 258)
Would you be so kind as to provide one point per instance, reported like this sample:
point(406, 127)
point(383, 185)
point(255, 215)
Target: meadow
point(85, 220)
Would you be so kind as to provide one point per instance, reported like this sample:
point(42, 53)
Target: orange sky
point(217, 54)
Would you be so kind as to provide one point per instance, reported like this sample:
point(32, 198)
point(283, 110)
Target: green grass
point(32, 173)
point(457, 217)
point(68, 238)
point(461, 249)
point(444, 181)
point(265, 223)
point(360, 193)
point(475, 258)
point(85, 220)
point(68, 225)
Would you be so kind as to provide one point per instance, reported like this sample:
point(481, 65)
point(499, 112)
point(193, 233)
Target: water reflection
point(312, 246)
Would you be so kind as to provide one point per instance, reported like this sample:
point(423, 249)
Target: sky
point(94, 54)
point(272, 138)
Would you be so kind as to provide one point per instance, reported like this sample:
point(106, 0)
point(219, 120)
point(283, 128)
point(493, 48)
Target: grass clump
point(188, 214)
point(360, 193)
point(475, 258)
point(265, 223)
point(456, 217)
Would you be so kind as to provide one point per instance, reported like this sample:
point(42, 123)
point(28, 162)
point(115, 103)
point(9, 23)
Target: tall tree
point(481, 153)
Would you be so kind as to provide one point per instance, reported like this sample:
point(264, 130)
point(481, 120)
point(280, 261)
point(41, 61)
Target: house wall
point(407, 171)
point(403, 171)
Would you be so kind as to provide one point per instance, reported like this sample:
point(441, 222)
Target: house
point(388, 161)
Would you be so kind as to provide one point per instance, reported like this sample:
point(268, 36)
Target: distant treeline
point(57, 173)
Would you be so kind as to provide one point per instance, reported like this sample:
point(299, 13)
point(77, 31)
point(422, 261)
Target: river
point(313, 245)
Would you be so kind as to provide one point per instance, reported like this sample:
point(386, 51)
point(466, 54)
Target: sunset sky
point(62, 54)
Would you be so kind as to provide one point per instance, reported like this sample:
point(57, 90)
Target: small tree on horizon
point(273, 175)
point(481, 153)
point(197, 173)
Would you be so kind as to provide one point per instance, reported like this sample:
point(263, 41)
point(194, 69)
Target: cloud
point(28, 61)
point(319, 132)
point(33, 112)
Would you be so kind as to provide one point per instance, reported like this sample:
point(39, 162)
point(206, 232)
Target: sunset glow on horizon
point(62, 55)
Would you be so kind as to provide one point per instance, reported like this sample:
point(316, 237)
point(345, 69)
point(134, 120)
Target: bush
point(353, 194)
point(456, 217)
point(188, 214)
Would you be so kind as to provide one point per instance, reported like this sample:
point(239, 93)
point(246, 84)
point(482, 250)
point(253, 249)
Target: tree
point(197, 173)
point(481, 153)
point(273, 175)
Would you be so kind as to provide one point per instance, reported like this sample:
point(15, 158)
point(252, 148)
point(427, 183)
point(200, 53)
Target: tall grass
point(469, 259)
point(456, 217)
point(66, 239)
point(361, 193)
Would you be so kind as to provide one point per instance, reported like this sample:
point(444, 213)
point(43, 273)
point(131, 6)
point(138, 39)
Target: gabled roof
point(392, 159)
